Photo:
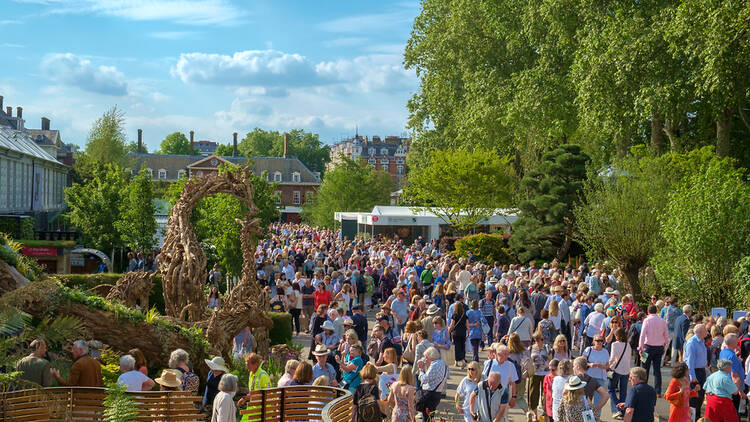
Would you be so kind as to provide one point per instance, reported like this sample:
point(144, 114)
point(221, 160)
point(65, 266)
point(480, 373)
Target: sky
point(212, 66)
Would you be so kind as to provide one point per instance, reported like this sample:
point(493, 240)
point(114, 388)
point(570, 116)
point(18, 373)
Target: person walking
point(474, 320)
point(564, 371)
point(401, 397)
point(467, 386)
point(719, 389)
point(619, 364)
point(458, 329)
point(489, 400)
point(729, 352)
point(654, 338)
point(540, 358)
point(598, 363)
point(641, 400)
point(574, 404)
point(678, 394)
point(224, 409)
point(696, 358)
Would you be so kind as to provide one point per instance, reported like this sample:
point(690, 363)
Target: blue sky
point(213, 66)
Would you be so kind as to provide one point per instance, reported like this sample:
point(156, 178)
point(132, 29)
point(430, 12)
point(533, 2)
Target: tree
point(132, 148)
point(95, 207)
point(105, 145)
point(176, 143)
point(544, 228)
point(305, 146)
point(224, 150)
point(349, 186)
point(706, 228)
point(460, 186)
point(137, 225)
point(619, 219)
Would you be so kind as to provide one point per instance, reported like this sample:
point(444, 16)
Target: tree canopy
point(306, 146)
point(462, 187)
point(176, 143)
point(137, 225)
point(349, 186)
point(105, 145)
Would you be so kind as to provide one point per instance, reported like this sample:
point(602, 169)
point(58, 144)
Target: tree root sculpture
point(133, 289)
point(182, 264)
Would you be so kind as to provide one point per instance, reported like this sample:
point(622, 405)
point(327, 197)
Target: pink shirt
point(654, 332)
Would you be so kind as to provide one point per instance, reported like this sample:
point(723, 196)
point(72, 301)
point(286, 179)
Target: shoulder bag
point(612, 371)
point(429, 399)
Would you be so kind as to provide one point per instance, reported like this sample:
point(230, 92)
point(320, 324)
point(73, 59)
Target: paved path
point(515, 415)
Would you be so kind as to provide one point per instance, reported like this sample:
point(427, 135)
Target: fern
point(12, 322)
point(152, 315)
point(118, 405)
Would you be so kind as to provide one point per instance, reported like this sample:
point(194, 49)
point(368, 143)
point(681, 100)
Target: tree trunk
point(657, 136)
point(724, 133)
point(564, 248)
point(672, 130)
point(631, 271)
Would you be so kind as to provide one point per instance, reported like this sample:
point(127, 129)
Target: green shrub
point(281, 333)
point(484, 247)
point(88, 281)
point(17, 227)
point(7, 255)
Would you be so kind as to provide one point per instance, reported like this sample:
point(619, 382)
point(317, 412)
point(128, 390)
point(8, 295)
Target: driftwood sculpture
point(182, 264)
point(133, 289)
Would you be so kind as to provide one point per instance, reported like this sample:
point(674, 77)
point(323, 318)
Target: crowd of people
point(388, 321)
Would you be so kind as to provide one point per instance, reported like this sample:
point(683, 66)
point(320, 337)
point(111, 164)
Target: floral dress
point(401, 408)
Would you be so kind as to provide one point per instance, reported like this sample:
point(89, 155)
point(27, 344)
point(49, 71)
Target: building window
point(400, 169)
point(383, 160)
point(277, 176)
point(150, 172)
point(371, 151)
point(384, 151)
point(199, 173)
point(295, 198)
point(384, 167)
point(162, 174)
point(400, 160)
point(372, 161)
point(278, 197)
point(180, 174)
point(296, 177)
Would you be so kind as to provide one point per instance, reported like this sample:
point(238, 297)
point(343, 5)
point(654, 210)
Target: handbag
point(409, 353)
point(588, 414)
point(429, 399)
point(611, 371)
point(485, 326)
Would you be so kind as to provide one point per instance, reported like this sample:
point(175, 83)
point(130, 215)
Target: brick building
point(387, 154)
point(295, 182)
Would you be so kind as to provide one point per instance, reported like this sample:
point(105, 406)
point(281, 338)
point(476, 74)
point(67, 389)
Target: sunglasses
point(598, 341)
point(471, 369)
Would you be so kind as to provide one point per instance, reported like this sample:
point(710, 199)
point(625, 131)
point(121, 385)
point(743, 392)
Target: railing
point(299, 403)
point(87, 404)
point(57, 404)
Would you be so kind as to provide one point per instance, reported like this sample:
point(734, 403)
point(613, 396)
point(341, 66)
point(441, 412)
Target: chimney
point(45, 123)
point(140, 141)
point(285, 145)
point(192, 142)
point(234, 150)
point(19, 112)
point(9, 111)
point(1, 102)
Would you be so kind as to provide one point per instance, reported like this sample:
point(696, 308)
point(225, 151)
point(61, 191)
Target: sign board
point(738, 314)
point(39, 251)
point(76, 260)
point(375, 218)
point(384, 383)
point(403, 221)
point(718, 312)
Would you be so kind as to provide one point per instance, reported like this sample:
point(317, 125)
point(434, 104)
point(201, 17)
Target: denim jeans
point(618, 383)
point(654, 359)
point(597, 398)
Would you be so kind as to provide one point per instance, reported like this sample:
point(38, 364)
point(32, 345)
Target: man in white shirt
point(464, 278)
point(506, 369)
point(134, 380)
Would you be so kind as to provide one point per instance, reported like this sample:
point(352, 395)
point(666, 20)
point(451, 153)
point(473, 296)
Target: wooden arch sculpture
point(182, 264)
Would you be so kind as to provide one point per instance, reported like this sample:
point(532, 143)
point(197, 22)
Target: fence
point(86, 404)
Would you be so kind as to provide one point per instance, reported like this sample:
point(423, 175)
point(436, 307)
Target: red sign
point(39, 251)
point(374, 218)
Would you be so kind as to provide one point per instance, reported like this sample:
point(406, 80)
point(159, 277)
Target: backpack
point(361, 286)
point(634, 337)
point(368, 409)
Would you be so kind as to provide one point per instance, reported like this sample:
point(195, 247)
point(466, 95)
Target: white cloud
point(196, 12)
point(73, 70)
point(276, 69)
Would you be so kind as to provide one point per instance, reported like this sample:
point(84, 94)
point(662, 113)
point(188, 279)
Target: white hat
point(574, 383)
point(320, 350)
point(616, 293)
point(347, 321)
point(328, 325)
point(493, 280)
point(432, 309)
point(170, 378)
point(609, 290)
point(216, 364)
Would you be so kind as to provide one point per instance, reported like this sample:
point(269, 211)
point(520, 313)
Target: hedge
point(67, 244)
point(281, 333)
point(17, 227)
point(484, 247)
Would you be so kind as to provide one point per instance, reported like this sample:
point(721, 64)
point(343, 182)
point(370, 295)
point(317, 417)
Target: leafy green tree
point(105, 145)
point(349, 186)
point(95, 207)
point(460, 186)
point(137, 225)
point(132, 147)
point(176, 143)
point(306, 146)
point(619, 219)
point(706, 228)
point(224, 150)
point(545, 224)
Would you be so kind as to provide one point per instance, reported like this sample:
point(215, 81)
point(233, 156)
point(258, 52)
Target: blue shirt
point(328, 371)
point(474, 316)
point(720, 384)
point(441, 337)
point(642, 399)
point(736, 362)
point(695, 355)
